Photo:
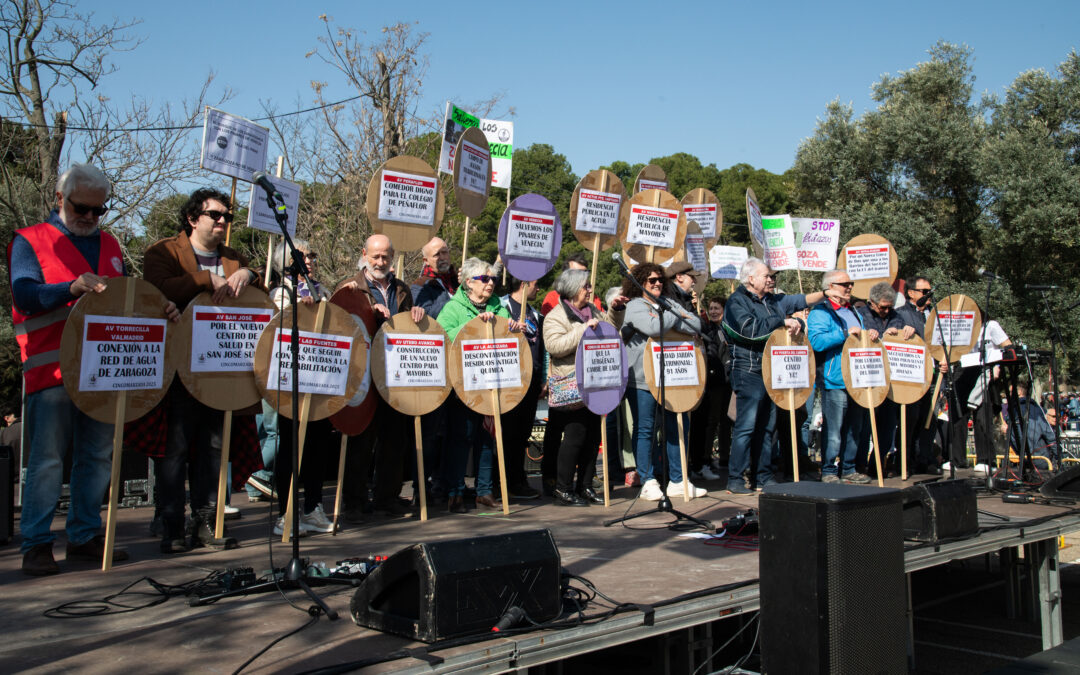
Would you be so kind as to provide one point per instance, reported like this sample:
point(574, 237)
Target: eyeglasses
point(311, 256)
point(215, 215)
point(81, 209)
point(654, 280)
point(587, 286)
point(924, 291)
point(846, 284)
point(484, 278)
point(767, 276)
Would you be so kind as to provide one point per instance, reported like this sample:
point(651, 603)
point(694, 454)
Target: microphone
point(260, 178)
point(512, 617)
point(987, 274)
point(618, 258)
point(1041, 287)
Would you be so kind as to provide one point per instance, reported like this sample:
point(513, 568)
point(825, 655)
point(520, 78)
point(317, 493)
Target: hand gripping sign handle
point(791, 417)
point(497, 415)
point(118, 447)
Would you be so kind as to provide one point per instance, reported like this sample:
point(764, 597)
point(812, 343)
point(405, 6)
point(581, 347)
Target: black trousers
point(517, 426)
point(319, 448)
point(578, 451)
point(192, 453)
point(386, 444)
point(709, 418)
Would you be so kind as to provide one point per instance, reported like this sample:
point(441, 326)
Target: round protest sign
point(530, 237)
point(602, 368)
point(910, 371)
point(472, 172)
point(331, 366)
point(655, 228)
point(701, 206)
point(360, 408)
point(868, 259)
point(486, 357)
point(408, 364)
point(953, 328)
point(651, 177)
point(598, 210)
point(684, 370)
point(118, 341)
point(694, 251)
point(404, 202)
point(866, 370)
point(753, 220)
point(215, 347)
point(788, 369)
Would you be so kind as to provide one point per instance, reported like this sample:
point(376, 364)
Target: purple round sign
point(530, 237)
point(602, 364)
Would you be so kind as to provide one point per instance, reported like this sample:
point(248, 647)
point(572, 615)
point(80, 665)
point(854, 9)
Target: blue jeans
point(53, 425)
point(466, 433)
point(844, 421)
point(644, 408)
point(753, 435)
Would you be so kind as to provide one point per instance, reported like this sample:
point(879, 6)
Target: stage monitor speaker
point(1065, 485)
point(833, 588)
point(7, 493)
point(940, 510)
point(433, 591)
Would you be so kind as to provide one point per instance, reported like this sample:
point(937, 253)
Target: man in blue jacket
point(752, 313)
point(829, 325)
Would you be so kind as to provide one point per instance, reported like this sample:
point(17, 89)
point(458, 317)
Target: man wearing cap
point(682, 277)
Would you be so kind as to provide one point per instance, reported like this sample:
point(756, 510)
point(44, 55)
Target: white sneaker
point(982, 470)
point(229, 510)
point(709, 474)
point(316, 521)
point(651, 491)
point(279, 526)
point(676, 490)
point(947, 466)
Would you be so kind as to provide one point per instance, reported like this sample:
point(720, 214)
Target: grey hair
point(749, 267)
point(281, 251)
point(828, 277)
point(474, 267)
point(83, 175)
point(612, 293)
point(882, 290)
point(569, 282)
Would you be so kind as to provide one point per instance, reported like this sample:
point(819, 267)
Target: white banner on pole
point(262, 218)
point(232, 145)
point(816, 239)
point(500, 136)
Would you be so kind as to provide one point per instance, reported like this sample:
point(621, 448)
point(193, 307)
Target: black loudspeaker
point(833, 589)
point(7, 493)
point(940, 510)
point(1064, 485)
point(446, 589)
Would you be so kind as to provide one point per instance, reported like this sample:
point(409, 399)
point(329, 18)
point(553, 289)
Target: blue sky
point(728, 82)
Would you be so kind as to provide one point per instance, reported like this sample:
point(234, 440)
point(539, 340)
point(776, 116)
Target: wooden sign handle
point(933, 402)
point(604, 459)
point(791, 412)
point(682, 459)
point(421, 479)
point(864, 342)
point(497, 415)
point(465, 242)
point(223, 475)
point(903, 441)
point(340, 482)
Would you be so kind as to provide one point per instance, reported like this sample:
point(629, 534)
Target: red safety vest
point(39, 335)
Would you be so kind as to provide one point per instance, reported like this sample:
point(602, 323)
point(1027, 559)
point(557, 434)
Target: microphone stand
point(664, 505)
point(294, 574)
point(950, 393)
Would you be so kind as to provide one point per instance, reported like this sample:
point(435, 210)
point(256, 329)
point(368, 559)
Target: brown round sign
point(478, 365)
point(405, 202)
point(868, 254)
point(791, 361)
point(685, 370)
point(599, 203)
point(407, 358)
point(655, 227)
point(953, 328)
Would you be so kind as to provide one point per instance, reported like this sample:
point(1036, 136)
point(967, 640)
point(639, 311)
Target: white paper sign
point(407, 198)
point(868, 262)
point(652, 226)
point(725, 261)
point(646, 184)
point(956, 327)
point(603, 364)
point(680, 364)
point(490, 364)
point(695, 252)
point(223, 339)
point(324, 363)
point(598, 211)
point(705, 217)
point(414, 360)
point(475, 169)
point(530, 235)
point(122, 354)
point(232, 145)
point(753, 213)
point(262, 218)
point(780, 253)
point(816, 239)
point(907, 363)
point(867, 367)
point(790, 367)
point(500, 137)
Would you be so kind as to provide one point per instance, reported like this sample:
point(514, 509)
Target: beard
point(443, 266)
point(378, 274)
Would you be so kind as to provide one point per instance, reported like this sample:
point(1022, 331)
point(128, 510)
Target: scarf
point(449, 279)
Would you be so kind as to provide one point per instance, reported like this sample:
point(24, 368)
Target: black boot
point(203, 532)
point(172, 539)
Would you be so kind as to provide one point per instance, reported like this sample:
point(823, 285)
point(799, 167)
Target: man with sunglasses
point(194, 261)
point(51, 265)
point(752, 313)
point(914, 313)
point(828, 326)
